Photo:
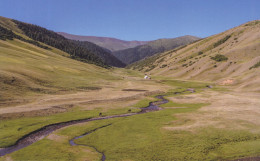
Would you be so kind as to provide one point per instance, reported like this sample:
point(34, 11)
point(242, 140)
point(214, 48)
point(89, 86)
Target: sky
point(134, 19)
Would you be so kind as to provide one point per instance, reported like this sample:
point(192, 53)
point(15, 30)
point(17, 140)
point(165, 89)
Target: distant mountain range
point(111, 44)
point(131, 55)
point(132, 51)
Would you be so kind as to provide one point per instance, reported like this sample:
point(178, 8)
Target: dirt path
point(46, 130)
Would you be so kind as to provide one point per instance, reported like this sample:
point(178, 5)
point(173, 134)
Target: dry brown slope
point(241, 45)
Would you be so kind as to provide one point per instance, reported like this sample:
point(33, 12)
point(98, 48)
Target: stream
point(41, 133)
point(72, 143)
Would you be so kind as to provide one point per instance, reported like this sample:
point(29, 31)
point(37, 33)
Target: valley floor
point(209, 124)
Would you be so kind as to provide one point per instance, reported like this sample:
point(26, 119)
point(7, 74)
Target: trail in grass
point(46, 130)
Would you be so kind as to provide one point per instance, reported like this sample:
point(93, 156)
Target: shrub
point(200, 53)
point(219, 58)
point(255, 66)
point(253, 23)
point(222, 41)
point(164, 65)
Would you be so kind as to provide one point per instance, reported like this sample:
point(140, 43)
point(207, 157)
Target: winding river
point(46, 130)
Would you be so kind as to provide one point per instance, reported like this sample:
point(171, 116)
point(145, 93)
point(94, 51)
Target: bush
point(200, 53)
point(255, 66)
point(219, 58)
point(164, 65)
point(222, 41)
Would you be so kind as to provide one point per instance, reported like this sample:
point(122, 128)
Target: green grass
point(21, 126)
point(182, 86)
point(47, 150)
point(145, 102)
point(187, 105)
point(185, 84)
point(12, 130)
point(139, 137)
point(142, 137)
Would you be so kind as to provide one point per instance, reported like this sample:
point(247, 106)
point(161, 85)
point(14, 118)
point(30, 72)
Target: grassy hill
point(27, 70)
point(131, 55)
point(83, 51)
point(111, 44)
point(231, 57)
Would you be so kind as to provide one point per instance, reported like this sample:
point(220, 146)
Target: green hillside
point(83, 51)
point(27, 70)
point(131, 55)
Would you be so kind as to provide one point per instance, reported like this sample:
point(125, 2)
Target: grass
point(27, 72)
point(145, 102)
point(19, 71)
point(139, 137)
point(21, 126)
point(47, 150)
point(253, 23)
point(142, 137)
point(182, 86)
point(60, 149)
point(187, 105)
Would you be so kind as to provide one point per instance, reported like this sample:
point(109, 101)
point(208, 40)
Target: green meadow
point(143, 137)
point(139, 137)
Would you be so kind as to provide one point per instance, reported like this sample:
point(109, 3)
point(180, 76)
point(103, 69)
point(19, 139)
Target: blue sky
point(134, 19)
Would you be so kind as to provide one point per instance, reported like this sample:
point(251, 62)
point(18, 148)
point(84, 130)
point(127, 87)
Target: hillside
point(111, 44)
point(231, 57)
point(131, 55)
point(86, 52)
point(28, 71)
point(104, 54)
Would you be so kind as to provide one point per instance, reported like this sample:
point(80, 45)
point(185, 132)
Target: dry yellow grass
point(229, 110)
point(241, 48)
